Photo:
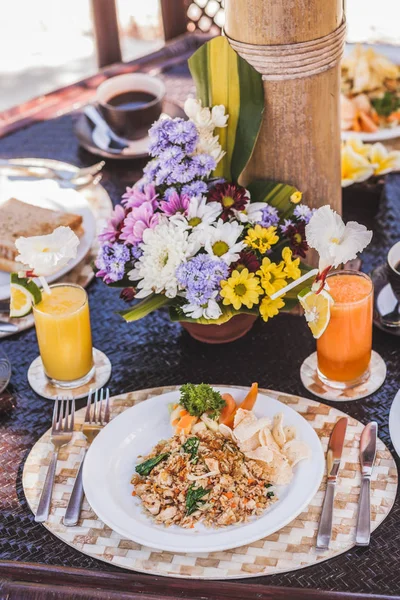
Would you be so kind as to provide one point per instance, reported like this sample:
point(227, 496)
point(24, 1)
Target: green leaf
point(275, 194)
point(228, 312)
point(146, 467)
point(223, 77)
point(145, 307)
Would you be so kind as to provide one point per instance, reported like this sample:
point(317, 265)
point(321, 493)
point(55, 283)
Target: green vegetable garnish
point(193, 498)
point(191, 446)
point(387, 104)
point(267, 485)
point(199, 399)
point(146, 467)
point(270, 495)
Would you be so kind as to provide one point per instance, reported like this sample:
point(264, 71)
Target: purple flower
point(183, 133)
point(159, 136)
point(195, 188)
point(114, 225)
point(270, 216)
point(184, 172)
point(204, 164)
point(175, 204)
point(171, 156)
point(303, 212)
point(201, 276)
point(169, 192)
point(286, 224)
point(150, 170)
point(136, 195)
point(111, 262)
point(136, 251)
point(140, 218)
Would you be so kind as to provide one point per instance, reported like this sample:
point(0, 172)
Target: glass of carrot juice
point(64, 335)
point(344, 349)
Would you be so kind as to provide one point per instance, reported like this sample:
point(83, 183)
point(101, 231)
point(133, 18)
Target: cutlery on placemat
point(367, 460)
point(79, 178)
point(6, 327)
point(61, 434)
point(95, 419)
point(333, 457)
point(102, 134)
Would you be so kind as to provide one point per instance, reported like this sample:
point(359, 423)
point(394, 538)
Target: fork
point(61, 434)
point(94, 422)
point(35, 170)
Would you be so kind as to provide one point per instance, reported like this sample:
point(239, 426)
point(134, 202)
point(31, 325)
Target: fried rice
point(202, 478)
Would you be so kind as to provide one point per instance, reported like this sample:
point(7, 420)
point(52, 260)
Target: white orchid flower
point(383, 160)
point(47, 254)
point(211, 310)
point(335, 242)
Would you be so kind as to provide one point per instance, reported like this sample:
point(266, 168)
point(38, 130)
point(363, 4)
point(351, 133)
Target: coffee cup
point(131, 103)
point(393, 268)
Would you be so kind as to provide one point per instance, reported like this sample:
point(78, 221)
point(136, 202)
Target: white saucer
point(394, 422)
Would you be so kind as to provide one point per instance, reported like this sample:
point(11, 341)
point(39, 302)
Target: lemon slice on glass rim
point(23, 294)
point(317, 309)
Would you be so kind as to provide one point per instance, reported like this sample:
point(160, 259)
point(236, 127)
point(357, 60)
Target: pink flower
point(135, 196)
point(175, 204)
point(113, 228)
point(140, 218)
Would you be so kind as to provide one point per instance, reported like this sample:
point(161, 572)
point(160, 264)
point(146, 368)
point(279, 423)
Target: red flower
point(296, 234)
point(247, 260)
point(230, 196)
point(128, 294)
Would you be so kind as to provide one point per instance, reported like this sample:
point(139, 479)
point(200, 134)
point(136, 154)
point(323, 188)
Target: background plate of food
point(203, 469)
point(30, 208)
point(370, 100)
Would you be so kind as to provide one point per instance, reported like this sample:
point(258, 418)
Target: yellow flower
point(261, 238)
point(270, 308)
point(296, 197)
point(354, 167)
point(241, 288)
point(272, 276)
point(358, 146)
point(291, 269)
point(383, 160)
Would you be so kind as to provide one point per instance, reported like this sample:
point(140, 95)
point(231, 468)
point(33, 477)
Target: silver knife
point(8, 327)
point(333, 457)
point(367, 459)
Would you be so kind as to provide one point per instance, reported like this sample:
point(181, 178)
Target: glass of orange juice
point(64, 336)
point(344, 349)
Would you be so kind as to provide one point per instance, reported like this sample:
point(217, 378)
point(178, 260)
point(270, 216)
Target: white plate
point(381, 135)
point(47, 194)
point(394, 422)
point(110, 464)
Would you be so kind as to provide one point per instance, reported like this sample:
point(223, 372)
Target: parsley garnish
point(270, 495)
point(147, 466)
point(193, 498)
point(199, 399)
point(267, 485)
point(387, 104)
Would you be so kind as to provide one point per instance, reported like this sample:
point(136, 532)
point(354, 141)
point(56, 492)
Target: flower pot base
point(230, 331)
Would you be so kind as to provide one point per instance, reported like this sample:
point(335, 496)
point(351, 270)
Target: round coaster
point(291, 548)
point(39, 383)
point(384, 299)
point(311, 381)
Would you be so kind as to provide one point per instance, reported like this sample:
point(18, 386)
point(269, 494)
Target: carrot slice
point(185, 423)
point(356, 124)
point(395, 116)
point(367, 123)
point(247, 404)
point(229, 408)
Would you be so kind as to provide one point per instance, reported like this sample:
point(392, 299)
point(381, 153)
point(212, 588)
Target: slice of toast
point(21, 219)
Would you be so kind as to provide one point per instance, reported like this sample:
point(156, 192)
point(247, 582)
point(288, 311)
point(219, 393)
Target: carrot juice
point(64, 335)
point(344, 349)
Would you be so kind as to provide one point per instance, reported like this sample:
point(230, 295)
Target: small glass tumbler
point(64, 335)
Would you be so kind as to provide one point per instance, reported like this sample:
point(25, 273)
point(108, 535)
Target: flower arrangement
point(198, 243)
point(361, 162)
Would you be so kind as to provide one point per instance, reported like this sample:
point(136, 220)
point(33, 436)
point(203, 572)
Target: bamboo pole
point(286, 40)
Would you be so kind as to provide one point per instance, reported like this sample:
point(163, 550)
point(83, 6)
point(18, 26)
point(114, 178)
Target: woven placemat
point(290, 548)
point(82, 274)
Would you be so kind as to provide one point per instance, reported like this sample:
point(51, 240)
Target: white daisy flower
point(221, 241)
point(164, 248)
point(47, 254)
point(209, 144)
point(211, 310)
point(200, 214)
point(252, 213)
point(335, 242)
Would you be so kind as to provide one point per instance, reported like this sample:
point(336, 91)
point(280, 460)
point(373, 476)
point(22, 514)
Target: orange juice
point(64, 335)
point(344, 349)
